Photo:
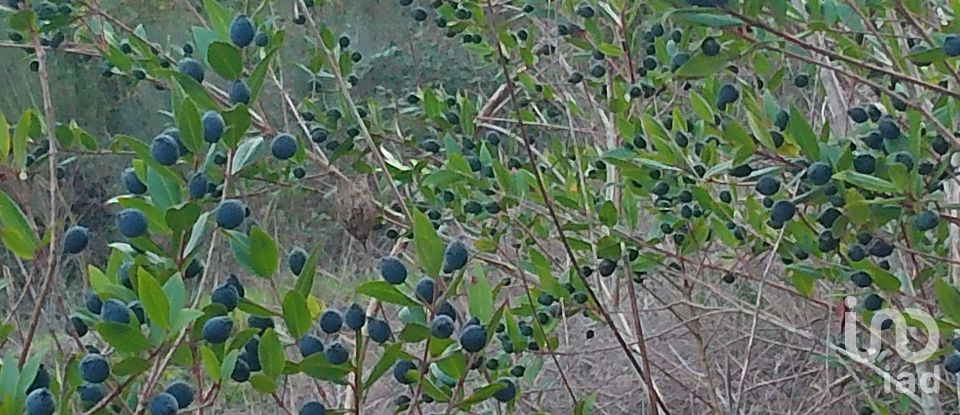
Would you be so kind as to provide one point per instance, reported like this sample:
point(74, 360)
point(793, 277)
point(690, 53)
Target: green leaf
point(803, 281)
point(409, 315)
point(194, 90)
point(442, 178)
point(704, 19)
point(240, 339)
point(259, 74)
point(949, 299)
point(454, 365)
point(202, 38)
point(163, 191)
point(542, 267)
point(9, 374)
point(263, 383)
point(264, 254)
point(431, 105)
point(610, 50)
point(122, 337)
point(317, 366)
point(619, 105)
point(196, 234)
point(305, 281)
point(240, 244)
point(513, 330)
point(872, 183)
point(608, 214)
point(23, 20)
point(249, 152)
point(585, 405)
point(130, 366)
point(700, 65)
point(701, 106)
point(18, 237)
point(29, 372)
point(883, 278)
point(428, 244)
point(103, 285)
point(229, 364)
point(237, 121)
point(413, 333)
point(799, 128)
point(736, 134)
point(210, 362)
point(899, 175)
point(480, 296)
point(182, 219)
point(386, 292)
point(430, 389)
point(20, 134)
point(5, 139)
point(442, 378)
point(225, 59)
point(191, 128)
point(467, 114)
point(271, 354)
point(345, 63)
point(219, 17)
point(182, 317)
point(609, 247)
point(5, 331)
point(928, 56)
point(296, 314)
point(481, 394)
point(390, 356)
point(327, 36)
point(250, 307)
point(154, 300)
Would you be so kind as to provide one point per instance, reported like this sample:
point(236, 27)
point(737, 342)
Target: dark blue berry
point(75, 240)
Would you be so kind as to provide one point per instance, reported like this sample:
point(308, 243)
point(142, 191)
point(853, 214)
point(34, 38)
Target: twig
point(52, 253)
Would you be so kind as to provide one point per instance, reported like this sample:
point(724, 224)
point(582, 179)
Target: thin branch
point(548, 200)
point(52, 252)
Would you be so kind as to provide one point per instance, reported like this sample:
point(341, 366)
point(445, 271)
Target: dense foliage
point(716, 150)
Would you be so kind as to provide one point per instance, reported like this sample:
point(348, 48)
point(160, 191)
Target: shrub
point(625, 140)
